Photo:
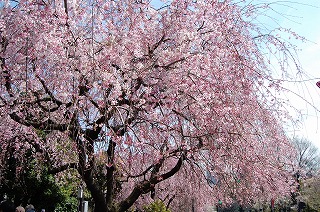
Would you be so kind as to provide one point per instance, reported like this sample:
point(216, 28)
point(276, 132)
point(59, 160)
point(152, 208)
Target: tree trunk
point(96, 193)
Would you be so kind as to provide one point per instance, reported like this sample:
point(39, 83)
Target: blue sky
point(303, 17)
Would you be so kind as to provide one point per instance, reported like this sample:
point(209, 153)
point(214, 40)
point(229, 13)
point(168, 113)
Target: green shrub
point(156, 206)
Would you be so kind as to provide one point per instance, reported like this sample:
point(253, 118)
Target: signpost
point(80, 197)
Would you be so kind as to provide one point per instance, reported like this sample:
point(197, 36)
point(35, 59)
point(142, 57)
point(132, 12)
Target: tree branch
point(170, 64)
point(45, 125)
point(63, 168)
point(58, 102)
point(145, 186)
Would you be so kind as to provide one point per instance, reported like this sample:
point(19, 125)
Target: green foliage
point(38, 189)
point(28, 182)
point(41, 133)
point(43, 191)
point(156, 206)
point(69, 184)
point(70, 204)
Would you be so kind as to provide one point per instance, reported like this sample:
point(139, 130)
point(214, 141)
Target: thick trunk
point(96, 193)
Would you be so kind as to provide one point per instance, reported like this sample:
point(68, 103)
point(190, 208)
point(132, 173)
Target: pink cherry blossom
point(172, 102)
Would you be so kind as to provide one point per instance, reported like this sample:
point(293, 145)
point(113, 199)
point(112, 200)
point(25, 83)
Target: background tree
point(139, 99)
point(308, 159)
point(308, 156)
point(310, 193)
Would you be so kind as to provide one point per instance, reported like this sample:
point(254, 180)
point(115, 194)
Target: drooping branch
point(146, 185)
point(5, 72)
point(47, 90)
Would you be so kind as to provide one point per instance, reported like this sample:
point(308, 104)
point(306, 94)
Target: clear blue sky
point(303, 17)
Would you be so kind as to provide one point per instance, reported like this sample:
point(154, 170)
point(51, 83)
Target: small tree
point(308, 156)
